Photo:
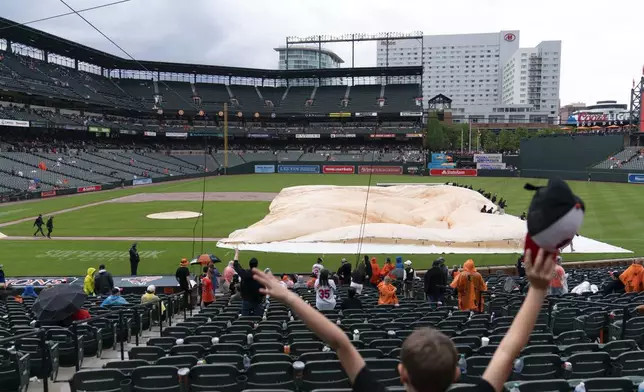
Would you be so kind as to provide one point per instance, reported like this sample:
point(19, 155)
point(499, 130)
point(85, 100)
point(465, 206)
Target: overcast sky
point(602, 42)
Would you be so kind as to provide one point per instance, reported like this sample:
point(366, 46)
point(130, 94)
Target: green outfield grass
point(615, 214)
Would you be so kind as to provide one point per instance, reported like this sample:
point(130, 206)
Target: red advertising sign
point(51, 193)
point(338, 169)
point(453, 172)
point(92, 188)
point(380, 170)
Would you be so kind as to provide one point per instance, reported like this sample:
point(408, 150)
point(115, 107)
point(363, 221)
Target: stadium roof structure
point(39, 39)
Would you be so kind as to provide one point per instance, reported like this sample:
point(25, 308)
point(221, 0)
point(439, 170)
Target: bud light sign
point(313, 169)
point(635, 178)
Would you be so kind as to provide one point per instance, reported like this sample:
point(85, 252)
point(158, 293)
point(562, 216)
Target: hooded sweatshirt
point(435, 280)
point(469, 284)
point(375, 271)
point(387, 294)
point(633, 278)
point(386, 269)
point(103, 282)
point(114, 300)
point(399, 271)
point(29, 292)
point(88, 283)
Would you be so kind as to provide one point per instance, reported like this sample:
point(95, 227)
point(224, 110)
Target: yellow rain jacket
point(88, 284)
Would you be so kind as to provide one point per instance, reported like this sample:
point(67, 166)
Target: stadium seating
point(625, 159)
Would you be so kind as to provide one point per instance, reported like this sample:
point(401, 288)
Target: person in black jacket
point(367, 268)
point(435, 282)
point(134, 259)
point(521, 267)
point(103, 282)
point(50, 226)
point(183, 278)
point(344, 272)
point(251, 297)
point(39, 223)
point(351, 302)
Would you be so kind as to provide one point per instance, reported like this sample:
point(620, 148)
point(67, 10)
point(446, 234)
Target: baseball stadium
point(145, 168)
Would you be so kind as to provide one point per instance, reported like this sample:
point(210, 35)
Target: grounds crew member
point(39, 222)
point(50, 226)
point(134, 259)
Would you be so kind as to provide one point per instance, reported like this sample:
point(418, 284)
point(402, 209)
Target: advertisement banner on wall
point(636, 178)
point(5, 122)
point(339, 115)
point(142, 181)
point(149, 133)
point(264, 168)
point(91, 188)
point(365, 114)
point(412, 169)
point(380, 170)
point(444, 165)
point(342, 135)
point(491, 165)
point(312, 169)
point(182, 135)
point(45, 194)
point(383, 135)
point(38, 124)
point(127, 132)
point(411, 114)
point(496, 158)
point(453, 172)
point(338, 169)
point(307, 136)
point(98, 130)
point(258, 135)
point(413, 135)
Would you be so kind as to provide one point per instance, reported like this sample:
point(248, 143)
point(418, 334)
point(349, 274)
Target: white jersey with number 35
point(325, 295)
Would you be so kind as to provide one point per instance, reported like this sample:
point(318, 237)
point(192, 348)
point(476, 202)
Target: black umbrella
point(58, 302)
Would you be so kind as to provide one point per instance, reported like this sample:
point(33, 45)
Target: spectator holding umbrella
point(60, 304)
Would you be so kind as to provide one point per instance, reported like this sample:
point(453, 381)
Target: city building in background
point(307, 57)
point(566, 110)
point(488, 77)
point(601, 114)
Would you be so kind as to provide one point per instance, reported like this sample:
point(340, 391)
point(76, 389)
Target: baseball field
point(95, 228)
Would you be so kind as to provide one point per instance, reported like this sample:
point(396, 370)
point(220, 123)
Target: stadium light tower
point(636, 117)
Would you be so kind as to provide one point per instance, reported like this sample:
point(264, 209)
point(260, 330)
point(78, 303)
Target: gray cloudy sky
point(602, 52)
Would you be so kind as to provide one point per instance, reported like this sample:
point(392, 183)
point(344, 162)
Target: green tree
point(505, 142)
point(490, 141)
point(435, 139)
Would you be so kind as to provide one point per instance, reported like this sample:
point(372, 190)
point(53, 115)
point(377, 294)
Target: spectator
point(470, 285)
point(557, 281)
point(358, 277)
point(367, 265)
point(182, 275)
point(214, 277)
point(88, 283)
point(324, 291)
point(429, 359)
point(287, 281)
point(344, 272)
point(387, 268)
point(351, 302)
point(300, 284)
point(521, 267)
point(114, 299)
point(103, 281)
point(150, 296)
point(29, 292)
point(207, 289)
point(387, 292)
point(134, 260)
point(399, 272)
point(229, 272)
point(615, 285)
point(375, 272)
point(408, 279)
point(3, 281)
point(633, 277)
point(455, 272)
point(310, 284)
point(435, 283)
point(317, 267)
point(250, 290)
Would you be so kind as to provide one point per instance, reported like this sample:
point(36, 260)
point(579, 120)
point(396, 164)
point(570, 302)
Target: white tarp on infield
point(581, 244)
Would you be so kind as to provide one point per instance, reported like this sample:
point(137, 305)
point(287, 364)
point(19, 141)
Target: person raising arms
point(428, 360)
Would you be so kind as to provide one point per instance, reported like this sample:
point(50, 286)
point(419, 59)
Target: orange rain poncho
point(469, 284)
point(633, 278)
point(387, 293)
point(375, 271)
point(386, 269)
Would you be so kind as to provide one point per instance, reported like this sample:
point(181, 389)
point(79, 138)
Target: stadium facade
point(483, 74)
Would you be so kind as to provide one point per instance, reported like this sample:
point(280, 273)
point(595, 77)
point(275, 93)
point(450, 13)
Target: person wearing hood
point(387, 268)
point(29, 292)
point(375, 272)
point(88, 283)
point(435, 283)
point(470, 285)
point(633, 277)
point(344, 272)
point(399, 271)
point(134, 260)
point(103, 281)
point(387, 292)
point(114, 299)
